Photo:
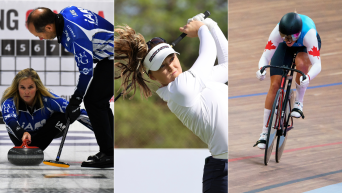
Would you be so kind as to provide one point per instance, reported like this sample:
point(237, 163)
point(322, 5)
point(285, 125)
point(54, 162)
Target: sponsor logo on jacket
point(86, 70)
point(73, 13)
point(40, 124)
point(72, 32)
point(9, 116)
point(82, 58)
point(60, 126)
point(66, 34)
point(90, 16)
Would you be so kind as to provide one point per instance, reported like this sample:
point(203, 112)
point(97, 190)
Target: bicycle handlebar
point(283, 67)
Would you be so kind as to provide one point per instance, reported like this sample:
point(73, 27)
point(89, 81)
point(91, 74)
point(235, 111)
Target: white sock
point(267, 113)
point(300, 91)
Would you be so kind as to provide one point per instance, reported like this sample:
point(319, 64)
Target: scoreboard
point(19, 49)
point(45, 56)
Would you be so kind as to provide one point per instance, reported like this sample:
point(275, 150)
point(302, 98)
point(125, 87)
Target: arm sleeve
point(9, 114)
point(57, 104)
point(311, 44)
point(207, 53)
point(219, 72)
point(84, 59)
point(271, 46)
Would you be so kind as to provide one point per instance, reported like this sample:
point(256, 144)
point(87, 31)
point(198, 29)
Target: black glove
point(73, 110)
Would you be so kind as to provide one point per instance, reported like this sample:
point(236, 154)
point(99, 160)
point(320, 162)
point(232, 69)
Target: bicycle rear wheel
point(273, 122)
point(281, 140)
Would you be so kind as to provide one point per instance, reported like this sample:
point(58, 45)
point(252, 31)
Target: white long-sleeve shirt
point(199, 96)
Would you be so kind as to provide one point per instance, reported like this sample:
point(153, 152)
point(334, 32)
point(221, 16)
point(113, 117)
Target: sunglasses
point(291, 38)
point(155, 41)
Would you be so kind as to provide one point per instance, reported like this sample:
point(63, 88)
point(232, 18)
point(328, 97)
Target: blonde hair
point(130, 50)
point(13, 91)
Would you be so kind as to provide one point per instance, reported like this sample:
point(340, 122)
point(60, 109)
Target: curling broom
point(56, 162)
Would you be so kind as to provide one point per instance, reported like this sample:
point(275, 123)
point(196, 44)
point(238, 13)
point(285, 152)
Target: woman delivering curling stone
point(198, 97)
point(31, 112)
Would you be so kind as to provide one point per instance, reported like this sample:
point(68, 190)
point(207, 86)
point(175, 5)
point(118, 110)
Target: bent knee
point(274, 87)
point(302, 61)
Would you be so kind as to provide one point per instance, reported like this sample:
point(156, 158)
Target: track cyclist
point(198, 97)
point(295, 33)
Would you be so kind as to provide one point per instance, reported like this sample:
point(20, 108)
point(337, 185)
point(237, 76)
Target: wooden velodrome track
point(313, 153)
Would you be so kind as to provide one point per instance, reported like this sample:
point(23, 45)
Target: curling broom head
point(56, 163)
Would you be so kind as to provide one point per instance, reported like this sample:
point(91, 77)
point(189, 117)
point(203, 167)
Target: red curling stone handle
point(25, 145)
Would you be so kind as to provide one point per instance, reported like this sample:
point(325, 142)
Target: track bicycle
point(280, 121)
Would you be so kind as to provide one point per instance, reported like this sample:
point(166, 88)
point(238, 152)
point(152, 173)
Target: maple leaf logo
point(270, 46)
point(314, 52)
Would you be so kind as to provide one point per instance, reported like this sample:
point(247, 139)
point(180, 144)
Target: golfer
point(31, 112)
point(198, 96)
point(90, 38)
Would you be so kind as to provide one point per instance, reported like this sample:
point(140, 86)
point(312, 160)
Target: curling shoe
point(100, 160)
point(297, 110)
point(92, 157)
point(262, 141)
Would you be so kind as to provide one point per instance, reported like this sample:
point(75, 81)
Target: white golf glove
point(304, 83)
point(261, 76)
point(208, 22)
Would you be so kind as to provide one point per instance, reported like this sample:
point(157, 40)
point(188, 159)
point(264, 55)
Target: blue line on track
point(292, 182)
point(264, 93)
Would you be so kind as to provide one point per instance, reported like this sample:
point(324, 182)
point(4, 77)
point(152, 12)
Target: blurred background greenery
point(148, 123)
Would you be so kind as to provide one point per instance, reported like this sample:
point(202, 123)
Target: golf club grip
point(63, 139)
point(206, 14)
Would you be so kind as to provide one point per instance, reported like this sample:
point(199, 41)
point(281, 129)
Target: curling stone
point(25, 155)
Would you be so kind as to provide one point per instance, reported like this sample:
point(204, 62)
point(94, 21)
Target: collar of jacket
point(59, 23)
point(23, 106)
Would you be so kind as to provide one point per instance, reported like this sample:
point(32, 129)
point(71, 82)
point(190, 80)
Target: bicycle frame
point(279, 122)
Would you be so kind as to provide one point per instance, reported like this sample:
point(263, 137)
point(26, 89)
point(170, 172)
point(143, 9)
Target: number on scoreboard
point(23, 47)
point(37, 48)
point(7, 47)
point(52, 48)
point(65, 52)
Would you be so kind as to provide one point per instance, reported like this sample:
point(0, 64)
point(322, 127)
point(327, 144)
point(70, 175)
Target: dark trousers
point(96, 102)
point(44, 136)
point(215, 176)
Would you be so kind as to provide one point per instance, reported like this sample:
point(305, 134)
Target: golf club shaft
point(117, 97)
point(63, 139)
point(206, 14)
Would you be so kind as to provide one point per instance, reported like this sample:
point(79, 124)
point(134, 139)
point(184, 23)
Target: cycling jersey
point(89, 37)
point(199, 97)
point(25, 119)
point(308, 38)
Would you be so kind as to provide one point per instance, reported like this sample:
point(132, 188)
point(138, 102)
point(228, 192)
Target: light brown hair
point(13, 91)
point(130, 50)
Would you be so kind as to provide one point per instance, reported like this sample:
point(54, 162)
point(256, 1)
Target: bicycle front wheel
point(281, 140)
point(273, 123)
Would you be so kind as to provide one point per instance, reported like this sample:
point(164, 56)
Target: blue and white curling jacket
point(89, 37)
point(23, 120)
